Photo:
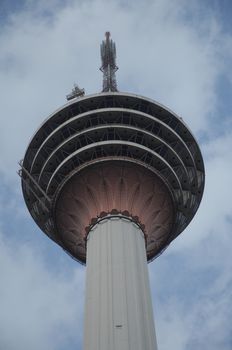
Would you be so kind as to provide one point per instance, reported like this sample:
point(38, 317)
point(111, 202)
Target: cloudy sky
point(178, 52)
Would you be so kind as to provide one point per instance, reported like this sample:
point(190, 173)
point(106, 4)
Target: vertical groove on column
point(118, 310)
point(112, 338)
point(125, 281)
point(137, 248)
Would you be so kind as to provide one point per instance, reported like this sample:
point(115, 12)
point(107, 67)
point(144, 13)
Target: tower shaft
point(118, 309)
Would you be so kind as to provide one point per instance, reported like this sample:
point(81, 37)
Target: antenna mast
point(109, 67)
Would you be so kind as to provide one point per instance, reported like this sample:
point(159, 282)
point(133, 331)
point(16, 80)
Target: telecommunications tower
point(113, 178)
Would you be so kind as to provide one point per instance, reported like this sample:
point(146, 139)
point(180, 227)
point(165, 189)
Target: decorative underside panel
point(113, 188)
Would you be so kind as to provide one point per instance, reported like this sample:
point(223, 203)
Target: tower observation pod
point(113, 178)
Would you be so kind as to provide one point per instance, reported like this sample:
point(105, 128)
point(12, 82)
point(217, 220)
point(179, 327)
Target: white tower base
point(118, 310)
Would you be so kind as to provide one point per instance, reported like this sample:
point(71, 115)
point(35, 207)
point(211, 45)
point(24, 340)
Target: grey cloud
point(159, 55)
point(38, 308)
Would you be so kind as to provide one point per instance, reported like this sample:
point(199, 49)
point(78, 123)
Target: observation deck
point(112, 154)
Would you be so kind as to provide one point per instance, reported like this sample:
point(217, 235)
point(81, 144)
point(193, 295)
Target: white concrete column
point(118, 310)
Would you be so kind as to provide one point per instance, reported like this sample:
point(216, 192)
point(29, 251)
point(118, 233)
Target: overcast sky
point(178, 52)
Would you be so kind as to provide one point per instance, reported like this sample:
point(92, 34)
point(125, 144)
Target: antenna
point(109, 67)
